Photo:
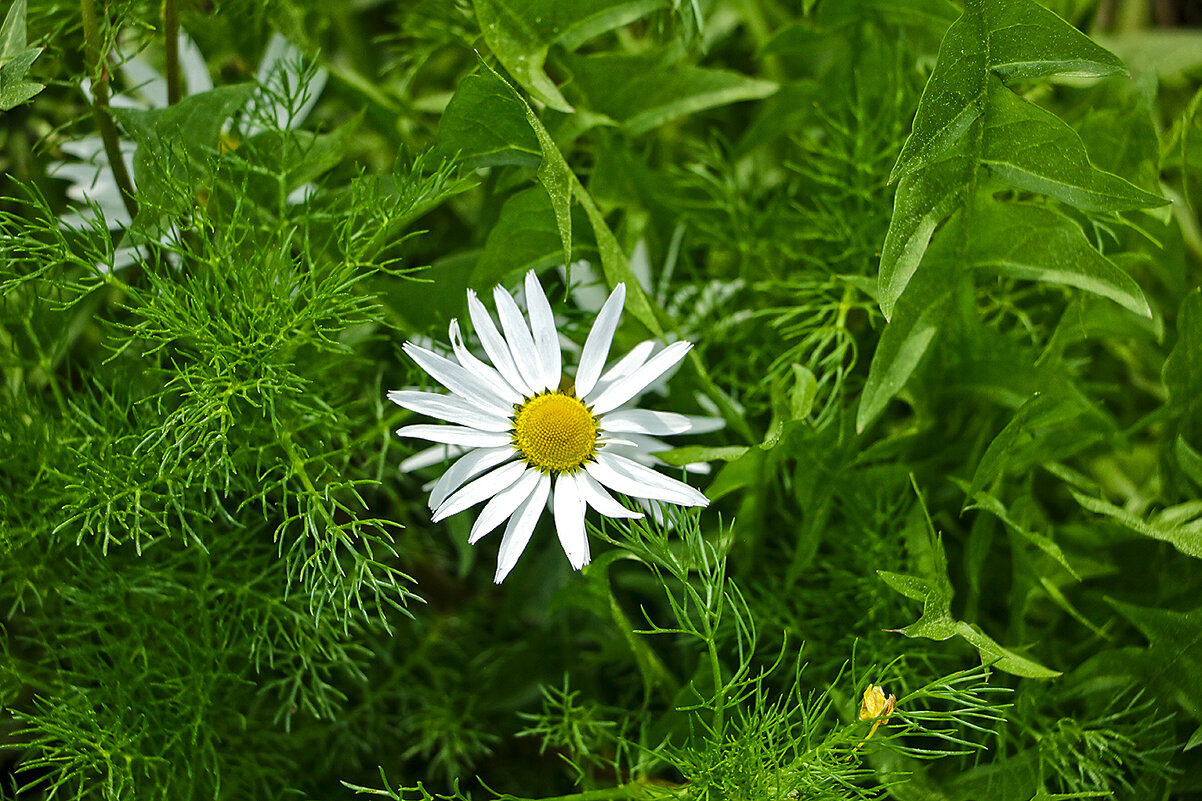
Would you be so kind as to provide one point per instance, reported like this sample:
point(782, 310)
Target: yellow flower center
point(555, 432)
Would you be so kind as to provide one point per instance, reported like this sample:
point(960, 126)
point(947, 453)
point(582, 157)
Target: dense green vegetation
point(940, 263)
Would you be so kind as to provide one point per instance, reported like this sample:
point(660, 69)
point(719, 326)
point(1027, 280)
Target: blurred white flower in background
point(90, 175)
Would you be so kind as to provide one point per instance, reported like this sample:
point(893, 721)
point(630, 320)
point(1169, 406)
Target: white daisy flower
point(531, 435)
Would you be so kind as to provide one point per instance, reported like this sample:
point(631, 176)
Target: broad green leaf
point(1180, 526)
point(520, 32)
point(1037, 243)
point(936, 622)
point(525, 237)
point(642, 92)
point(919, 314)
point(485, 125)
point(1033, 149)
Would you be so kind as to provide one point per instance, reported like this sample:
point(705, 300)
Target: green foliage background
point(941, 264)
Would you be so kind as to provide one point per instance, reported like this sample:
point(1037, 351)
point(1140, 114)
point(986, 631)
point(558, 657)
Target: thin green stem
point(171, 32)
point(94, 57)
point(634, 789)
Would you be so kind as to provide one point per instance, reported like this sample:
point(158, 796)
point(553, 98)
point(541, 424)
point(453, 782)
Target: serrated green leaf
point(1027, 40)
point(952, 100)
point(1194, 740)
point(485, 125)
point(520, 34)
point(520, 47)
point(14, 89)
point(937, 623)
point(642, 92)
point(923, 200)
point(1037, 243)
point(1019, 143)
point(1124, 140)
point(1033, 149)
point(1006, 38)
point(12, 32)
point(1173, 660)
point(1180, 526)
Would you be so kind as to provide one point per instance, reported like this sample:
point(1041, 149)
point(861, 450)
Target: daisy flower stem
point(100, 103)
point(171, 34)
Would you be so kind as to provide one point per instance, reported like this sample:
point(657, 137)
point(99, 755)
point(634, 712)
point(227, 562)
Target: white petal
point(456, 435)
point(86, 147)
point(643, 421)
point(569, 520)
point(479, 490)
point(625, 366)
point(626, 388)
point(473, 463)
point(631, 478)
point(278, 50)
point(145, 80)
point(596, 347)
point(704, 424)
point(521, 344)
point(436, 454)
point(596, 496)
point(483, 371)
point(503, 505)
point(193, 66)
point(521, 526)
point(546, 338)
point(459, 380)
point(450, 408)
point(495, 345)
